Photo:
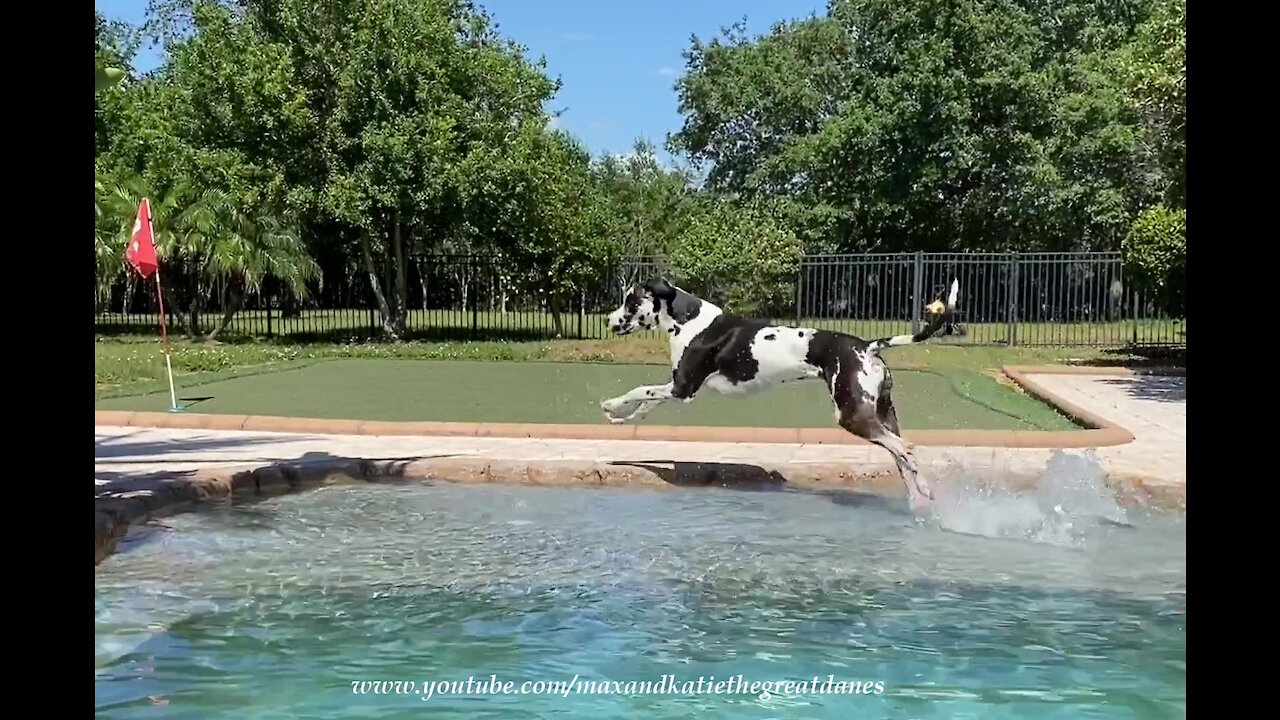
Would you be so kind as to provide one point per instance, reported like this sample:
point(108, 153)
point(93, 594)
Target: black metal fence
point(1063, 299)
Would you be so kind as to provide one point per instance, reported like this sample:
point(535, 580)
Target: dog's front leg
point(636, 403)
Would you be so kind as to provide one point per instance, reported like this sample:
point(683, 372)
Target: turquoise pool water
point(1047, 607)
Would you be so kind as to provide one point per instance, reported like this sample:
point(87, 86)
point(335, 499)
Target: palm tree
point(251, 247)
point(203, 240)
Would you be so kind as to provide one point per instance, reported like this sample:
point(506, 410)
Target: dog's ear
point(661, 289)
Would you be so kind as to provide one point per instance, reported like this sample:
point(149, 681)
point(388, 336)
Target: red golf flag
point(142, 249)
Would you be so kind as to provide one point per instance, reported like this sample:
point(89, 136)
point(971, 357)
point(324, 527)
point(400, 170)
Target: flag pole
point(164, 334)
point(164, 330)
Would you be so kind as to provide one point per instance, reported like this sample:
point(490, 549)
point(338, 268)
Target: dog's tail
point(939, 310)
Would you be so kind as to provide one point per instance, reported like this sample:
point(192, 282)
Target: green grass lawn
point(561, 392)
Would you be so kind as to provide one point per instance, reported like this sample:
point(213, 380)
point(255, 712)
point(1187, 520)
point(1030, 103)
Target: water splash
point(1069, 504)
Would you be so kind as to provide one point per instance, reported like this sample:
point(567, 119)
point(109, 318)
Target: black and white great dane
point(738, 355)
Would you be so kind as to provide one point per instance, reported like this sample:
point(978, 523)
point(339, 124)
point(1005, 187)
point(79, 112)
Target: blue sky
point(618, 61)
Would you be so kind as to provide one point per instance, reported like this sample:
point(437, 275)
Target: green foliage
point(1155, 257)
point(644, 201)
point(546, 214)
point(114, 46)
point(389, 128)
point(367, 134)
point(925, 125)
point(1154, 69)
point(741, 258)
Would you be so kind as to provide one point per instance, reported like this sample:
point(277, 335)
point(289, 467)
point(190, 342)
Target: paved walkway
point(1153, 408)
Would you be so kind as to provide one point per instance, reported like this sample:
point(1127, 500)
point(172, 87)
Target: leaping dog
point(737, 355)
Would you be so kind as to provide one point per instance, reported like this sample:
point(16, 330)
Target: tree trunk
point(194, 309)
point(557, 319)
point(233, 306)
point(376, 286)
point(401, 277)
point(462, 274)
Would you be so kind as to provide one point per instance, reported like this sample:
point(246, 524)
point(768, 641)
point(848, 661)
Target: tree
point(548, 218)
point(391, 129)
point(926, 125)
point(742, 258)
point(415, 104)
point(114, 46)
point(1154, 70)
point(644, 204)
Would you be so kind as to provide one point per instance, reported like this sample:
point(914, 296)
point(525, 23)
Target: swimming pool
point(1049, 606)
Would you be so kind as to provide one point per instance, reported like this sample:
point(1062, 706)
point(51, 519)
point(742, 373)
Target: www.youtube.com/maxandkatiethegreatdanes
point(666, 685)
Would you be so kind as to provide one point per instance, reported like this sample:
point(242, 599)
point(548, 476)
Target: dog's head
point(642, 307)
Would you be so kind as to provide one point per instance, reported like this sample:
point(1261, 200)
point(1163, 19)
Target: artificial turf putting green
point(544, 392)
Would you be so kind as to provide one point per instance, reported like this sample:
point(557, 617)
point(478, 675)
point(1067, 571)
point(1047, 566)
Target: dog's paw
point(617, 407)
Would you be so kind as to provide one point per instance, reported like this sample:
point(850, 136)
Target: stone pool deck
point(1137, 421)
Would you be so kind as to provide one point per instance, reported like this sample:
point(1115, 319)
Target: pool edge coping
point(127, 503)
point(1099, 432)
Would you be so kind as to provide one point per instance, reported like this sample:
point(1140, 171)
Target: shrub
point(1155, 257)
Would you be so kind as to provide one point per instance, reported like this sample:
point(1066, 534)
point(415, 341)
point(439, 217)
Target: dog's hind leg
point(880, 426)
point(888, 415)
point(918, 489)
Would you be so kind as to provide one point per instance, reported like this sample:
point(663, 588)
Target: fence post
point(917, 288)
point(475, 309)
point(268, 317)
point(373, 329)
point(1013, 299)
point(582, 311)
point(799, 290)
point(1133, 311)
